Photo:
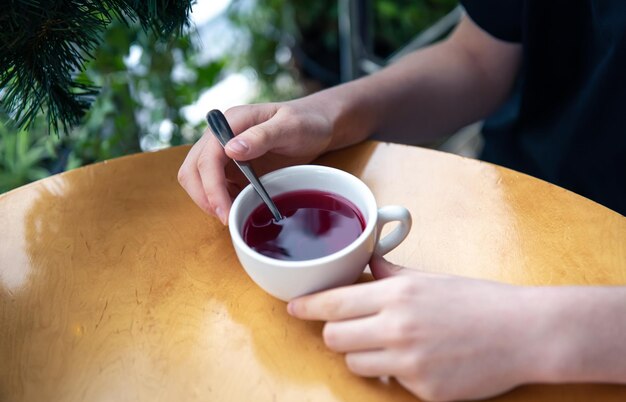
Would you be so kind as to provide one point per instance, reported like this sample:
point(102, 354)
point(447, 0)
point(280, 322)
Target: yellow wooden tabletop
point(115, 287)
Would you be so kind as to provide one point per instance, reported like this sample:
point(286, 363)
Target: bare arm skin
point(432, 92)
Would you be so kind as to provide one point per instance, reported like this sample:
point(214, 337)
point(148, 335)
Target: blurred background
point(154, 94)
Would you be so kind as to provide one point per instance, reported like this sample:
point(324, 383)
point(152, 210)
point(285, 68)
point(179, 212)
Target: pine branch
point(45, 44)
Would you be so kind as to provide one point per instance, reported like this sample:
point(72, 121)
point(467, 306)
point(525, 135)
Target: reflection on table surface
point(114, 286)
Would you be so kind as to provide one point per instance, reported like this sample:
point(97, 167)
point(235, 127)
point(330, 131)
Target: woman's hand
point(441, 337)
point(275, 135)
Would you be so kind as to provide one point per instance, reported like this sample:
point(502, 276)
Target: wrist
point(576, 334)
point(349, 109)
point(543, 343)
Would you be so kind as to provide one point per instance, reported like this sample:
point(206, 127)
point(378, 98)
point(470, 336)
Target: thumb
point(254, 142)
point(382, 268)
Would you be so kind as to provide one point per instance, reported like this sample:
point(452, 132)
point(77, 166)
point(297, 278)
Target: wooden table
point(115, 287)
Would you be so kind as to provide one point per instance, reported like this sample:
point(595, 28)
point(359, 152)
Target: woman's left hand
point(442, 337)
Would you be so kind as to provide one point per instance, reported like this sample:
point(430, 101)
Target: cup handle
point(388, 214)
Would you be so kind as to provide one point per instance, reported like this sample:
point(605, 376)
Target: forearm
point(429, 93)
point(583, 334)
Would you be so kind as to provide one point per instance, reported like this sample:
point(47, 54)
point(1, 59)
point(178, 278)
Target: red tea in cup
point(315, 224)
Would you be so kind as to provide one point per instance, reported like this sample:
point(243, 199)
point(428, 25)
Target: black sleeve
point(502, 19)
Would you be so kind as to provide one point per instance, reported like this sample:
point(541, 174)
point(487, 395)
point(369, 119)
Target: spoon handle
point(222, 131)
point(220, 127)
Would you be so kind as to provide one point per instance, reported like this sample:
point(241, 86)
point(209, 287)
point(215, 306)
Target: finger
point(341, 303)
point(382, 268)
point(210, 165)
point(374, 363)
point(249, 120)
point(241, 118)
point(189, 178)
point(255, 141)
point(361, 334)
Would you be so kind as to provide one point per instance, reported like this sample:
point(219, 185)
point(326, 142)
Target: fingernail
point(238, 146)
point(221, 215)
point(290, 308)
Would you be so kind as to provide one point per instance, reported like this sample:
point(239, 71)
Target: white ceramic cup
point(290, 279)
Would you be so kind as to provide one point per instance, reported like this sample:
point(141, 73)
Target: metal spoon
point(223, 133)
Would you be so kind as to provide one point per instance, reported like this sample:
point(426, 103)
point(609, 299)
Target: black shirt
point(566, 119)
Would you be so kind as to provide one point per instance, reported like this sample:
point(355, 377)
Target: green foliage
point(136, 100)
point(268, 25)
point(133, 102)
point(21, 157)
point(44, 43)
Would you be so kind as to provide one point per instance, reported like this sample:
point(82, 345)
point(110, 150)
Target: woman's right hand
point(273, 135)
